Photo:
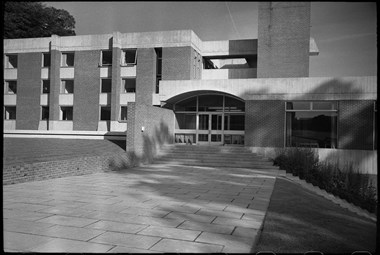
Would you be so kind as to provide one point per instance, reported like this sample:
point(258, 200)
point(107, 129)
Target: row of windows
point(128, 57)
point(67, 86)
point(66, 113)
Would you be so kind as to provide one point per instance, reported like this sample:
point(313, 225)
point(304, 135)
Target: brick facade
point(158, 126)
point(264, 123)
point(86, 90)
point(177, 63)
point(146, 75)
point(283, 39)
point(29, 87)
point(62, 168)
point(355, 125)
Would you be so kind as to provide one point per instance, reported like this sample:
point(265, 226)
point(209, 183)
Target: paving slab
point(169, 245)
point(128, 240)
point(173, 233)
point(64, 245)
point(155, 208)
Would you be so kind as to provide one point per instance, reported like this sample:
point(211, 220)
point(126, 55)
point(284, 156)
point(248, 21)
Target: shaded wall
point(86, 90)
point(355, 124)
point(29, 87)
point(264, 123)
point(177, 63)
point(158, 130)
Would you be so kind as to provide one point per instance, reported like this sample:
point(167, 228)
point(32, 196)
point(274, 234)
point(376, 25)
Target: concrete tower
point(283, 39)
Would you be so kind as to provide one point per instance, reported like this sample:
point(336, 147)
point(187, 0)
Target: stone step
point(230, 156)
point(219, 160)
point(216, 164)
point(210, 149)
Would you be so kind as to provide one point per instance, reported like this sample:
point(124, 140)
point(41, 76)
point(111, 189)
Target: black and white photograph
point(190, 127)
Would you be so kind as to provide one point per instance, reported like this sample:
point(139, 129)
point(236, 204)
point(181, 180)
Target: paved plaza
point(154, 208)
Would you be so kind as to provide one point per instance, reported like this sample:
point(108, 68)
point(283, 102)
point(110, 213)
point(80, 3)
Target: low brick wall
point(37, 171)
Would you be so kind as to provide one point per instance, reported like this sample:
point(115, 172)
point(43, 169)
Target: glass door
point(210, 128)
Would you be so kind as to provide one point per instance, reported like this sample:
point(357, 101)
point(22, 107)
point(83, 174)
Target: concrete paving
point(155, 208)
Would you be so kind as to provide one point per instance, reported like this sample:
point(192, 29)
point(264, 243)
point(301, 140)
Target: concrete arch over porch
point(180, 97)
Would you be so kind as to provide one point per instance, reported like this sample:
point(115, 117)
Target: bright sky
point(345, 32)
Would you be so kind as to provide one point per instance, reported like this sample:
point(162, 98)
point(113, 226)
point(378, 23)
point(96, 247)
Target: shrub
point(347, 183)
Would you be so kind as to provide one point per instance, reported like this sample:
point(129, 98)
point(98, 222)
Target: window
point(10, 87)
point(129, 85)
point(44, 112)
point(45, 86)
point(10, 112)
point(311, 124)
point(67, 86)
point(106, 86)
point(375, 126)
point(105, 113)
point(128, 57)
point(11, 61)
point(185, 120)
point(66, 113)
point(67, 59)
point(106, 58)
point(123, 113)
point(45, 59)
point(158, 69)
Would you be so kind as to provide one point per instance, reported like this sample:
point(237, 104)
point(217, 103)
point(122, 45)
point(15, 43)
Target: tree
point(33, 19)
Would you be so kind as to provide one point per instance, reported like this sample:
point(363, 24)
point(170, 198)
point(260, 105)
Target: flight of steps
point(212, 156)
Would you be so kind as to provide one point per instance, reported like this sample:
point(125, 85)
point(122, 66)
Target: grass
point(298, 221)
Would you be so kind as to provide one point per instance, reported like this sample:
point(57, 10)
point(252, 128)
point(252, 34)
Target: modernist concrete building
point(171, 86)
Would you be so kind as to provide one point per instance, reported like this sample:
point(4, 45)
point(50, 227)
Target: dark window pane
point(106, 86)
point(45, 113)
point(311, 129)
point(187, 105)
point(233, 105)
point(130, 57)
point(123, 113)
point(324, 106)
point(46, 86)
point(210, 103)
point(106, 57)
point(105, 113)
point(298, 105)
point(46, 60)
point(202, 137)
point(129, 85)
point(185, 121)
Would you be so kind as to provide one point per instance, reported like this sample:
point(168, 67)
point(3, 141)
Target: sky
point(345, 32)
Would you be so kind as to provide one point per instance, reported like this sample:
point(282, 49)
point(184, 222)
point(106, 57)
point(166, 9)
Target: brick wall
point(159, 130)
point(264, 123)
point(355, 125)
point(86, 90)
point(62, 168)
point(145, 75)
point(283, 39)
point(29, 87)
point(177, 63)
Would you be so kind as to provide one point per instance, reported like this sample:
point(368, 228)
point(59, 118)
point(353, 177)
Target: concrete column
point(55, 82)
point(116, 81)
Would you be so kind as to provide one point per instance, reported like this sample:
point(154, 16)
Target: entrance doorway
point(210, 119)
point(210, 128)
